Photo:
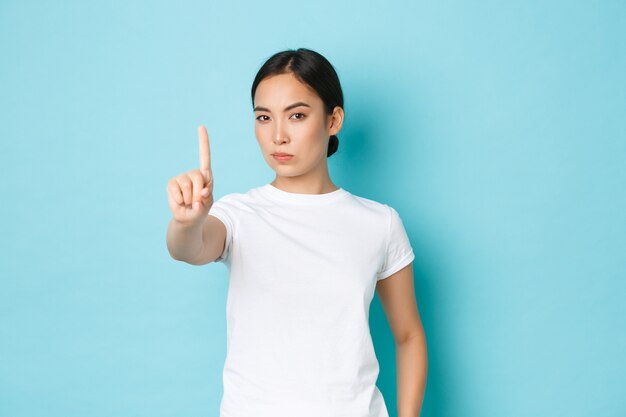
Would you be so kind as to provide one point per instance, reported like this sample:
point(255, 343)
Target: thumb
point(204, 200)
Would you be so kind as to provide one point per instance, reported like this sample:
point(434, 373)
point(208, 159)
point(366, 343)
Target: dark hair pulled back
point(314, 70)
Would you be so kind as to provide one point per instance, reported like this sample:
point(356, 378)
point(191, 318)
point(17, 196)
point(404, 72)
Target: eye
point(299, 118)
point(258, 118)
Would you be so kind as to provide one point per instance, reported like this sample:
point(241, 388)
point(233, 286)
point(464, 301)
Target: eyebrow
point(289, 107)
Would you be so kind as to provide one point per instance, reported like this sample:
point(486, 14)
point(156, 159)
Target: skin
point(301, 131)
point(192, 236)
point(305, 132)
point(397, 297)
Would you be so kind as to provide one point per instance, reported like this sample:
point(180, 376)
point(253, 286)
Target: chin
point(286, 171)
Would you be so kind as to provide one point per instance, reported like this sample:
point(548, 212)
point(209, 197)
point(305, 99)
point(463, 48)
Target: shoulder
point(376, 208)
point(379, 213)
point(237, 197)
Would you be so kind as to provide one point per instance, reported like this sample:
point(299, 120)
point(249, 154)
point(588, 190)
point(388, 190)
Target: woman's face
point(290, 118)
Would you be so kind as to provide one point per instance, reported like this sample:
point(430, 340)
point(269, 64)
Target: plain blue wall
point(496, 129)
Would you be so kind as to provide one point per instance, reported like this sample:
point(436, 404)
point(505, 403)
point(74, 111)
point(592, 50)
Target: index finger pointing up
point(205, 152)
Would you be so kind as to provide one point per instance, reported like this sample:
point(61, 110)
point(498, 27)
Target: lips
point(282, 157)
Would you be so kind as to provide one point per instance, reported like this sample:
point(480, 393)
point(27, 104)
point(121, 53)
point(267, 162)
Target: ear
point(336, 121)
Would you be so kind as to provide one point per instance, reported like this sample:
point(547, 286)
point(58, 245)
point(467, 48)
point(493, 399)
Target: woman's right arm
point(192, 235)
point(196, 245)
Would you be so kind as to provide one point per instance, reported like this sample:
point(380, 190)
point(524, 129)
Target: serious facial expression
point(290, 118)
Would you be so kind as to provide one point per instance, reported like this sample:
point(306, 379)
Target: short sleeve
point(223, 209)
point(399, 252)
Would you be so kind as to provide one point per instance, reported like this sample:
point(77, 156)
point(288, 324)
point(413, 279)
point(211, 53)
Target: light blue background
point(496, 129)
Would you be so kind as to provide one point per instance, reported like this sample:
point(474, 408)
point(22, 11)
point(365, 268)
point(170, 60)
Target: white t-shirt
point(303, 271)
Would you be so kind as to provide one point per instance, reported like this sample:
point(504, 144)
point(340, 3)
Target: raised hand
point(190, 195)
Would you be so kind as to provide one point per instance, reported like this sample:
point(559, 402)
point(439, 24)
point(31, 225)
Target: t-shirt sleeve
point(224, 210)
point(399, 252)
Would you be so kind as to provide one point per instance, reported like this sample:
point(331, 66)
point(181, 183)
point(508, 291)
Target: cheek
point(312, 132)
point(261, 133)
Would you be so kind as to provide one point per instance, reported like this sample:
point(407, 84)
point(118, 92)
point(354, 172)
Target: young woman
point(304, 257)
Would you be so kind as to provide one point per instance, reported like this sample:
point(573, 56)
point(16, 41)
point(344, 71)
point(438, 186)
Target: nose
point(280, 136)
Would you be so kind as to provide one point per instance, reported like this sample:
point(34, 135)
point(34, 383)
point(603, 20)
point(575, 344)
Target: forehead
point(283, 89)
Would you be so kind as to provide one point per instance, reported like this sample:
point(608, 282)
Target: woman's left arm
point(397, 297)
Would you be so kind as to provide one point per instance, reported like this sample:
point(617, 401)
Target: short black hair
point(312, 69)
